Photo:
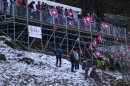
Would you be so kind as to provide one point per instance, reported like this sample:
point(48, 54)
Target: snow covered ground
point(42, 72)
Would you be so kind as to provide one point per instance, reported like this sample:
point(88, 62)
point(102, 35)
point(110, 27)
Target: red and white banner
point(128, 33)
point(71, 23)
point(88, 19)
point(128, 48)
point(97, 54)
point(95, 43)
point(55, 27)
point(54, 12)
point(120, 57)
point(34, 31)
point(81, 52)
point(78, 39)
point(90, 47)
point(105, 25)
point(100, 38)
point(70, 14)
point(116, 39)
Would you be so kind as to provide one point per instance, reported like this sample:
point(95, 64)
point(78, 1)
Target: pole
point(54, 33)
point(67, 35)
point(91, 42)
point(41, 28)
point(79, 39)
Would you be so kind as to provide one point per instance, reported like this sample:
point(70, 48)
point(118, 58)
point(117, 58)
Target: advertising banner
point(34, 31)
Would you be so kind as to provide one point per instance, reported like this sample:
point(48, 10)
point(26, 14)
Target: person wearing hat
point(72, 60)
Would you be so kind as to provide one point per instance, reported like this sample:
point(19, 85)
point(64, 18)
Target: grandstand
point(35, 32)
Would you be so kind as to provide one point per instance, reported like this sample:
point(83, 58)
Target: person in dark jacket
point(72, 60)
point(111, 59)
point(81, 21)
point(37, 13)
point(31, 9)
point(86, 67)
point(58, 53)
point(5, 3)
point(11, 6)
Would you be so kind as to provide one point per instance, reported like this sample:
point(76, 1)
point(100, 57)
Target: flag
point(95, 43)
point(117, 52)
point(55, 27)
point(70, 14)
point(88, 19)
point(100, 38)
point(54, 12)
point(81, 52)
point(78, 39)
point(105, 25)
point(97, 54)
point(71, 23)
point(128, 48)
point(90, 47)
point(116, 39)
point(128, 33)
point(120, 57)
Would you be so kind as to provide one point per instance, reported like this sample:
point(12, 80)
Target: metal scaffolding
point(16, 27)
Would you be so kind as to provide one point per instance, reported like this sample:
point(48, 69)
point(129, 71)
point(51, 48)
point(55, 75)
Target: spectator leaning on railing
point(5, 6)
point(11, 6)
point(30, 9)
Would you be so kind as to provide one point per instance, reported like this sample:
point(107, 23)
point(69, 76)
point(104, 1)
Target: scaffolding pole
point(49, 40)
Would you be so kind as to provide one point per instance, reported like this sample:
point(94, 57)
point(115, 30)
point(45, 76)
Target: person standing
point(86, 68)
point(5, 3)
point(111, 59)
point(72, 60)
point(12, 6)
point(76, 56)
point(58, 53)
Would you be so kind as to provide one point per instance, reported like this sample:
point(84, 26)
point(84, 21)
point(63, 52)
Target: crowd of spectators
point(35, 8)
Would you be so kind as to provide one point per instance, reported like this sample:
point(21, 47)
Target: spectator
point(38, 7)
point(45, 12)
point(98, 63)
point(50, 19)
point(11, 6)
point(103, 63)
point(81, 21)
point(31, 9)
point(69, 16)
point(76, 56)
point(85, 63)
point(98, 25)
point(128, 36)
point(58, 53)
point(94, 17)
point(72, 59)
point(111, 59)
point(21, 7)
point(60, 18)
point(5, 6)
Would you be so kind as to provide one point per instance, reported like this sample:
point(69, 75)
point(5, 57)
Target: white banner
point(34, 31)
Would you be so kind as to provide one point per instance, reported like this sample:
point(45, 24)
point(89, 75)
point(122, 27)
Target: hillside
point(24, 68)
